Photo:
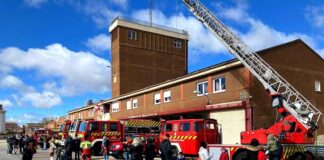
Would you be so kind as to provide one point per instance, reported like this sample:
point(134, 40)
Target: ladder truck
point(299, 117)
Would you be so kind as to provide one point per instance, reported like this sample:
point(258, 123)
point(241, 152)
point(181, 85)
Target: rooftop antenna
point(150, 12)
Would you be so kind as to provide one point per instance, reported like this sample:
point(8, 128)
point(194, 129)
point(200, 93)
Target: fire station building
point(227, 91)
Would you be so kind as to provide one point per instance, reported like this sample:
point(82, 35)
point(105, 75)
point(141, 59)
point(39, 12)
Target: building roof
point(211, 69)
point(148, 27)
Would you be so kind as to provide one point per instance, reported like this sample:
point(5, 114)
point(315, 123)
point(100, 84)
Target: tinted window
point(73, 127)
point(185, 127)
point(62, 127)
point(143, 130)
point(113, 127)
point(199, 126)
point(83, 126)
point(94, 126)
point(168, 127)
point(130, 129)
point(104, 127)
point(210, 125)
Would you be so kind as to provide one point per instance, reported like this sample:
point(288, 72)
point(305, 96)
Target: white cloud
point(42, 100)
point(99, 43)
point(315, 15)
point(26, 118)
point(100, 13)
point(121, 3)
point(76, 72)
point(35, 3)
point(6, 103)
point(11, 81)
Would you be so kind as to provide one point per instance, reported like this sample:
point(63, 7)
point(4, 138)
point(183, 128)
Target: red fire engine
point(298, 117)
point(74, 129)
point(186, 134)
point(63, 132)
point(97, 129)
point(143, 129)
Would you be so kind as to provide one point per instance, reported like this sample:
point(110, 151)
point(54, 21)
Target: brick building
point(12, 127)
point(227, 92)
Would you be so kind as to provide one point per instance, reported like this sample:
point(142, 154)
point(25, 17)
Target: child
point(52, 148)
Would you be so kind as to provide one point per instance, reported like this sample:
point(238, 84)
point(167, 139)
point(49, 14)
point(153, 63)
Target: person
point(105, 147)
point(203, 153)
point(41, 141)
point(165, 148)
point(29, 151)
point(86, 148)
point(224, 154)
point(150, 149)
point(52, 148)
point(272, 147)
point(15, 142)
point(181, 156)
point(45, 142)
point(136, 149)
point(127, 144)
point(9, 146)
point(68, 148)
point(21, 144)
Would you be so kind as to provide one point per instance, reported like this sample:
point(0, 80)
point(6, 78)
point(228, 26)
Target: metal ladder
point(306, 113)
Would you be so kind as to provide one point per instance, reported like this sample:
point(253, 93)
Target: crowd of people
point(135, 148)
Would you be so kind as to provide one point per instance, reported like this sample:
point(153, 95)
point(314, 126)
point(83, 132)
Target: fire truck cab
point(73, 131)
point(96, 130)
point(63, 132)
point(187, 134)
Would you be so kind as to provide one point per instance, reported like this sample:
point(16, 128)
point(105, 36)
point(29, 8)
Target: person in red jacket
point(224, 154)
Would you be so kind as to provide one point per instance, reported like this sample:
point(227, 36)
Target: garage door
point(232, 123)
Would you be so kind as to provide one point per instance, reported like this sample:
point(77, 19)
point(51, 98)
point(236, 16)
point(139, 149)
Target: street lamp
point(198, 92)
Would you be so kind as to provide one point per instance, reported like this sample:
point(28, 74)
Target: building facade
point(12, 127)
point(2, 119)
point(145, 54)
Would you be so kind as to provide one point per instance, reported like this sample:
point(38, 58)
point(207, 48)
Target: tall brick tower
point(145, 54)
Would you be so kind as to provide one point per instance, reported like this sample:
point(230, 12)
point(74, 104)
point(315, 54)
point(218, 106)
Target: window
point(176, 43)
point(135, 103)
point(83, 126)
point(157, 98)
point(94, 126)
point(104, 127)
point(113, 127)
point(317, 86)
point(202, 88)
point(219, 84)
point(199, 126)
point(128, 105)
point(210, 126)
point(167, 96)
point(168, 127)
point(184, 127)
point(131, 34)
point(115, 107)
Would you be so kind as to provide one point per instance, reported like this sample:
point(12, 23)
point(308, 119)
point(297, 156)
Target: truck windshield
point(62, 127)
point(73, 127)
point(83, 126)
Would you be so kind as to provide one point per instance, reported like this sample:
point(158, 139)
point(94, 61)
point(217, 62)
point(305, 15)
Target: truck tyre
point(299, 156)
point(309, 155)
point(242, 155)
point(96, 149)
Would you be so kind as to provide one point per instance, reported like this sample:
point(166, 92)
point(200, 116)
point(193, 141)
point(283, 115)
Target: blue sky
point(54, 53)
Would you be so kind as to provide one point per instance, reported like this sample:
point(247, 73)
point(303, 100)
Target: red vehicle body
point(186, 134)
point(63, 132)
point(42, 132)
point(96, 130)
point(74, 129)
point(144, 129)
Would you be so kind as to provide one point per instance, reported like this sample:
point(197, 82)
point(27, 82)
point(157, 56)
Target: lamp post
point(198, 92)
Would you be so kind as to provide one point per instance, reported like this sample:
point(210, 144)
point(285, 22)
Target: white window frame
point(201, 93)
point(115, 107)
point(128, 105)
point(177, 43)
point(318, 86)
point(157, 96)
point(132, 35)
point(220, 84)
point(135, 103)
point(167, 96)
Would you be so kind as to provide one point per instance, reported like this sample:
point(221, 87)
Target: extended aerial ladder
point(293, 101)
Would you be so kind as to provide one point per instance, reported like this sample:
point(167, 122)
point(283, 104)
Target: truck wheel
point(309, 155)
point(242, 155)
point(96, 149)
point(299, 156)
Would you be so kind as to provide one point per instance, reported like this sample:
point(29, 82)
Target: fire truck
point(96, 130)
point(299, 117)
point(144, 129)
point(74, 129)
point(186, 134)
point(63, 132)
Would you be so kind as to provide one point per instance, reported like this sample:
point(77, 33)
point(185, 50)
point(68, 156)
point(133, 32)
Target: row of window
point(132, 35)
point(166, 97)
point(186, 127)
point(219, 85)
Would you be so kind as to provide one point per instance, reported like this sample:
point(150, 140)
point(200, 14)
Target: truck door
point(210, 132)
point(94, 130)
point(114, 131)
